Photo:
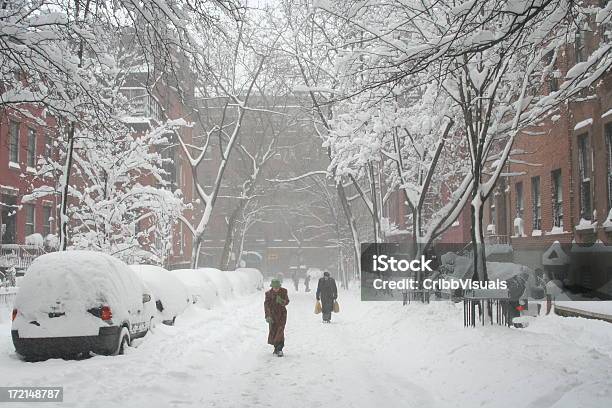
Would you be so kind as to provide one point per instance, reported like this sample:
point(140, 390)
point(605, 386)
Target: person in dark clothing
point(327, 293)
point(307, 283)
point(296, 280)
point(276, 315)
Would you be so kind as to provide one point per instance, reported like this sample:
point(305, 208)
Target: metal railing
point(7, 296)
point(18, 256)
point(496, 239)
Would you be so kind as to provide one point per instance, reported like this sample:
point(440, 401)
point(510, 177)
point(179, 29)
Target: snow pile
point(73, 282)
point(585, 225)
point(167, 289)
point(201, 288)
point(35, 239)
point(498, 249)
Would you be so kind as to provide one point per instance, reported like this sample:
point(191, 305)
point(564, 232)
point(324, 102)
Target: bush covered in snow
point(35, 239)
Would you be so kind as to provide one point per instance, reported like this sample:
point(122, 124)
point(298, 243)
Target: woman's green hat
point(275, 283)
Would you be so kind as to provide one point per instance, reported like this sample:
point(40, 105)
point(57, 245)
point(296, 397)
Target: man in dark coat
point(276, 315)
point(327, 293)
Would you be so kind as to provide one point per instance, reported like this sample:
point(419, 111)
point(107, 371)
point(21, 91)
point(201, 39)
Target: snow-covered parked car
point(75, 302)
point(255, 278)
point(220, 280)
point(239, 280)
point(201, 288)
point(171, 295)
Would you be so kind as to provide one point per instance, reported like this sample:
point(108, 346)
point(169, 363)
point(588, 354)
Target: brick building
point(23, 138)
point(558, 185)
point(26, 137)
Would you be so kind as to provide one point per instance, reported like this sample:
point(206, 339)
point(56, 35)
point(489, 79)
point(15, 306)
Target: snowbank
point(73, 282)
point(201, 288)
point(172, 294)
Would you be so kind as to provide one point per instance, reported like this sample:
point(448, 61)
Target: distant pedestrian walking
point(276, 315)
point(307, 283)
point(296, 280)
point(327, 293)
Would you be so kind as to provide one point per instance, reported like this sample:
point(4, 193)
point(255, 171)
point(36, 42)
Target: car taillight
point(14, 315)
point(106, 313)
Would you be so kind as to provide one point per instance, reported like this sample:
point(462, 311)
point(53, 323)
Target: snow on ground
point(595, 306)
point(373, 354)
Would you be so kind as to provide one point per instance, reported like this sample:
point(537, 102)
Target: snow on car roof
point(78, 280)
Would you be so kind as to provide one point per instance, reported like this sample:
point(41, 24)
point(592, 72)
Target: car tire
point(123, 341)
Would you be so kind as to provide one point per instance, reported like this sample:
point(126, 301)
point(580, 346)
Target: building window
point(584, 170)
point(536, 203)
point(557, 198)
point(14, 143)
point(30, 226)
point(31, 159)
point(46, 221)
point(519, 200)
point(608, 136)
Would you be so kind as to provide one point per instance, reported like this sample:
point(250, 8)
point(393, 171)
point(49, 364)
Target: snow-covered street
point(373, 354)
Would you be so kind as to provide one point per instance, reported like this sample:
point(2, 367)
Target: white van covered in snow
point(74, 302)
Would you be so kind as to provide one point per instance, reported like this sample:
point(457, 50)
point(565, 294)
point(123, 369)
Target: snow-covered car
point(240, 282)
point(171, 295)
point(201, 288)
point(72, 303)
point(256, 279)
point(220, 280)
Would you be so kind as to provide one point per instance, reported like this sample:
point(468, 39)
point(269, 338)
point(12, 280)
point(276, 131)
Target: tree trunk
point(480, 264)
point(229, 237)
point(195, 252)
point(352, 227)
point(63, 232)
point(375, 212)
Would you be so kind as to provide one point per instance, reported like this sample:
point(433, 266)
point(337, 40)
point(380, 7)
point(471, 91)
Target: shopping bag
point(317, 307)
point(336, 307)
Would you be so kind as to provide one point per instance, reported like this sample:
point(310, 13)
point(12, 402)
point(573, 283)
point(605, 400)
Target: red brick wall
point(16, 182)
